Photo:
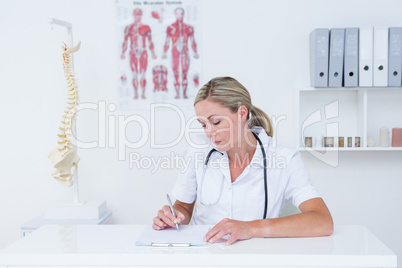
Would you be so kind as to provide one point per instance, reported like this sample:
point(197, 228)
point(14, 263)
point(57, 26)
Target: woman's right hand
point(165, 218)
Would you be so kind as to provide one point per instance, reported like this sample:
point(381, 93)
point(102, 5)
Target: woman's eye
point(217, 122)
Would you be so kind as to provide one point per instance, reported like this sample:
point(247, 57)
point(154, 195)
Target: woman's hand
point(238, 230)
point(165, 218)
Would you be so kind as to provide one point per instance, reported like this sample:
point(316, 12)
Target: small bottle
point(384, 137)
point(328, 141)
point(350, 142)
point(357, 141)
point(308, 142)
point(341, 142)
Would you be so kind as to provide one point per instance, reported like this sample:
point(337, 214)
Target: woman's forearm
point(315, 220)
point(307, 224)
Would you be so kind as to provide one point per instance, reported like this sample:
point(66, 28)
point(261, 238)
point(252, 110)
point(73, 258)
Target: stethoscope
point(221, 187)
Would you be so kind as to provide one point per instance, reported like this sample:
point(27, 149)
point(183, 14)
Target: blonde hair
point(228, 92)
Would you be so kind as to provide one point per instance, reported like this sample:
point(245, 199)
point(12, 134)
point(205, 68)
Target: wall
point(264, 44)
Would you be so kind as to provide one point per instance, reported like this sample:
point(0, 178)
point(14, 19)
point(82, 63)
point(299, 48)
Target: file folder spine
point(319, 52)
point(366, 57)
point(351, 60)
point(336, 51)
point(395, 57)
point(380, 59)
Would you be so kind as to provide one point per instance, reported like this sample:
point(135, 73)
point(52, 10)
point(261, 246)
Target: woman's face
point(219, 123)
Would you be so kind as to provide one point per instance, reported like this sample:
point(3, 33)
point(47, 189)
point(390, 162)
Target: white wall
point(264, 44)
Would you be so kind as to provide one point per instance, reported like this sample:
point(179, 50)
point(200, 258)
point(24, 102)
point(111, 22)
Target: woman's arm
point(314, 220)
point(185, 209)
point(165, 217)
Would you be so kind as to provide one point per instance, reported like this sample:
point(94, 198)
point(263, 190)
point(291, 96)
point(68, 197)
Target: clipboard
point(187, 236)
point(170, 244)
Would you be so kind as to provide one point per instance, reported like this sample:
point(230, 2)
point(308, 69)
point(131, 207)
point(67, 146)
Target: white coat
point(244, 199)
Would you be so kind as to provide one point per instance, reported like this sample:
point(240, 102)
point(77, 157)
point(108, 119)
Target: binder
point(351, 59)
point(380, 57)
point(366, 57)
point(395, 57)
point(319, 49)
point(336, 49)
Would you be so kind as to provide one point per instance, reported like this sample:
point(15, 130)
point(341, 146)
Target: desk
point(39, 221)
point(113, 246)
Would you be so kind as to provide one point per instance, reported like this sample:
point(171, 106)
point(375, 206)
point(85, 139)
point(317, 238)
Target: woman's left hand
point(238, 230)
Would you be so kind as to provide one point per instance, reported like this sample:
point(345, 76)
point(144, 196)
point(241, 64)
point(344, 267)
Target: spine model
point(63, 156)
point(65, 136)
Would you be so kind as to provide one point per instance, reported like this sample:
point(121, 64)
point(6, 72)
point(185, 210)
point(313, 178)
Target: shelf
point(384, 109)
point(332, 114)
point(365, 112)
point(352, 149)
point(350, 113)
point(337, 89)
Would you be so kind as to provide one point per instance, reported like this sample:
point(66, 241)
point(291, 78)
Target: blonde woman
point(241, 180)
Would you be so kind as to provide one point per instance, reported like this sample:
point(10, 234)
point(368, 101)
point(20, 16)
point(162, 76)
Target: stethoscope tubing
point(265, 171)
point(265, 175)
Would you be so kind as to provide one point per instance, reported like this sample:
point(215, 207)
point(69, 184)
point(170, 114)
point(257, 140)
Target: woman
point(231, 189)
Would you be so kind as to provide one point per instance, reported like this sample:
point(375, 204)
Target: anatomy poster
point(158, 52)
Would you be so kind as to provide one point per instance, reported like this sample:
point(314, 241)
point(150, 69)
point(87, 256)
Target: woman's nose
point(209, 131)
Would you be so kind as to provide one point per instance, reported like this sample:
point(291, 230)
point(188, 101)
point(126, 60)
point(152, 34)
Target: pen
point(171, 208)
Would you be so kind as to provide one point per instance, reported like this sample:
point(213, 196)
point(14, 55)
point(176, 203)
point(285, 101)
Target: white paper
point(193, 234)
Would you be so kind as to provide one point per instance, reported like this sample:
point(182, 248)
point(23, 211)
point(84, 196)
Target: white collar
point(258, 156)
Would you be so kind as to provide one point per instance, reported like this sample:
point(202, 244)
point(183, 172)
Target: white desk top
point(40, 220)
point(351, 246)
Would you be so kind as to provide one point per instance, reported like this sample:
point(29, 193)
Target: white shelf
point(349, 112)
point(337, 89)
point(352, 149)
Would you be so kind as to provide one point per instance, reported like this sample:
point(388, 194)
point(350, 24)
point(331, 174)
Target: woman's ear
point(243, 112)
